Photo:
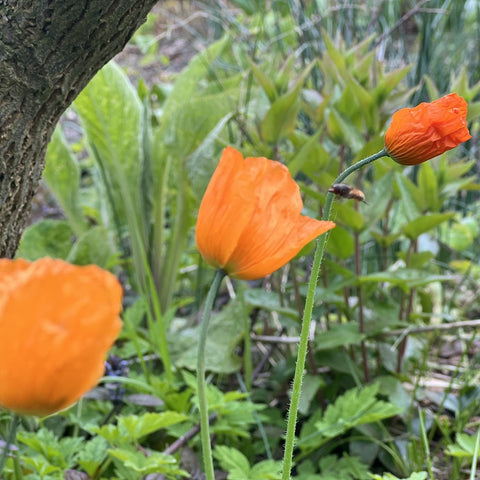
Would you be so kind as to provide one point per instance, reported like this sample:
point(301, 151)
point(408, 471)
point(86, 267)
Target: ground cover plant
point(322, 159)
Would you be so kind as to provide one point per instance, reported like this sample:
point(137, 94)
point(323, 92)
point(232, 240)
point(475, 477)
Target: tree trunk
point(49, 50)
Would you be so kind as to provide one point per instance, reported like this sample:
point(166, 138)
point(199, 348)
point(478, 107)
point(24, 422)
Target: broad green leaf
point(281, 118)
point(225, 332)
point(340, 243)
point(349, 216)
point(378, 195)
point(385, 240)
point(310, 386)
point(388, 82)
point(411, 197)
point(268, 300)
point(457, 236)
point(310, 152)
point(46, 238)
point(93, 247)
point(405, 278)
point(428, 185)
point(139, 426)
point(202, 162)
point(415, 228)
point(62, 176)
point(417, 260)
point(342, 130)
point(111, 115)
point(464, 446)
point(267, 84)
point(339, 335)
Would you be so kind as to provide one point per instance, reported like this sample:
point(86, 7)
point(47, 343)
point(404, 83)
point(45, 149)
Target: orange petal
point(57, 322)
point(430, 129)
point(256, 227)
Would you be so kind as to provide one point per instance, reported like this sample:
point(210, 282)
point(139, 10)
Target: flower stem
point(202, 387)
point(11, 437)
point(307, 319)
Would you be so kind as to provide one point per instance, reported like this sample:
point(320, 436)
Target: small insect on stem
point(347, 191)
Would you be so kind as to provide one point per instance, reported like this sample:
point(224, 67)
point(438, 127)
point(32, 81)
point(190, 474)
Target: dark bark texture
point(49, 50)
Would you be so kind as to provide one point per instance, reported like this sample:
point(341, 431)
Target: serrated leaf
point(93, 455)
point(355, 407)
point(155, 462)
point(130, 429)
point(233, 461)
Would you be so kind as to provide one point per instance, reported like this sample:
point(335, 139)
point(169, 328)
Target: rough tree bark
point(49, 50)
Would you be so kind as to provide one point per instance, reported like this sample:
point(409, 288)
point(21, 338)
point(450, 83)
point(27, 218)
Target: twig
point(186, 437)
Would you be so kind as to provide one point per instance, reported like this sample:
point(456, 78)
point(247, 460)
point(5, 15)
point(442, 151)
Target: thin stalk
point(202, 386)
point(247, 341)
point(423, 433)
point(361, 318)
point(11, 437)
point(307, 319)
point(475, 457)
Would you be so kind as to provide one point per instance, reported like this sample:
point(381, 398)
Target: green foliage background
point(314, 85)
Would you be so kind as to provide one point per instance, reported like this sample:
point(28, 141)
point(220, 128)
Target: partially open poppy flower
point(249, 223)
point(57, 322)
point(430, 129)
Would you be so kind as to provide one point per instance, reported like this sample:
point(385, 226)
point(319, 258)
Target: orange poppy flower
point(430, 129)
point(57, 322)
point(249, 223)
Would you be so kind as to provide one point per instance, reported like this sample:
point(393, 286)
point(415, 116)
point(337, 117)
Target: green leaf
point(111, 115)
point(130, 429)
point(233, 461)
point(415, 228)
point(411, 197)
point(268, 86)
point(340, 243)
point(378, 196)
point(345, 468)
point(155, 462)
point(428, 185)
point(463, 447)
point(389, 476)
point(225, 332)
point(46, 238)
point(356, 407)
point(342, 130)
point(93, 247)
point(281, 117)
point(457, 236)
point(93, 455)
point(203, 161)
point(62, 176)
point(340, 335)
